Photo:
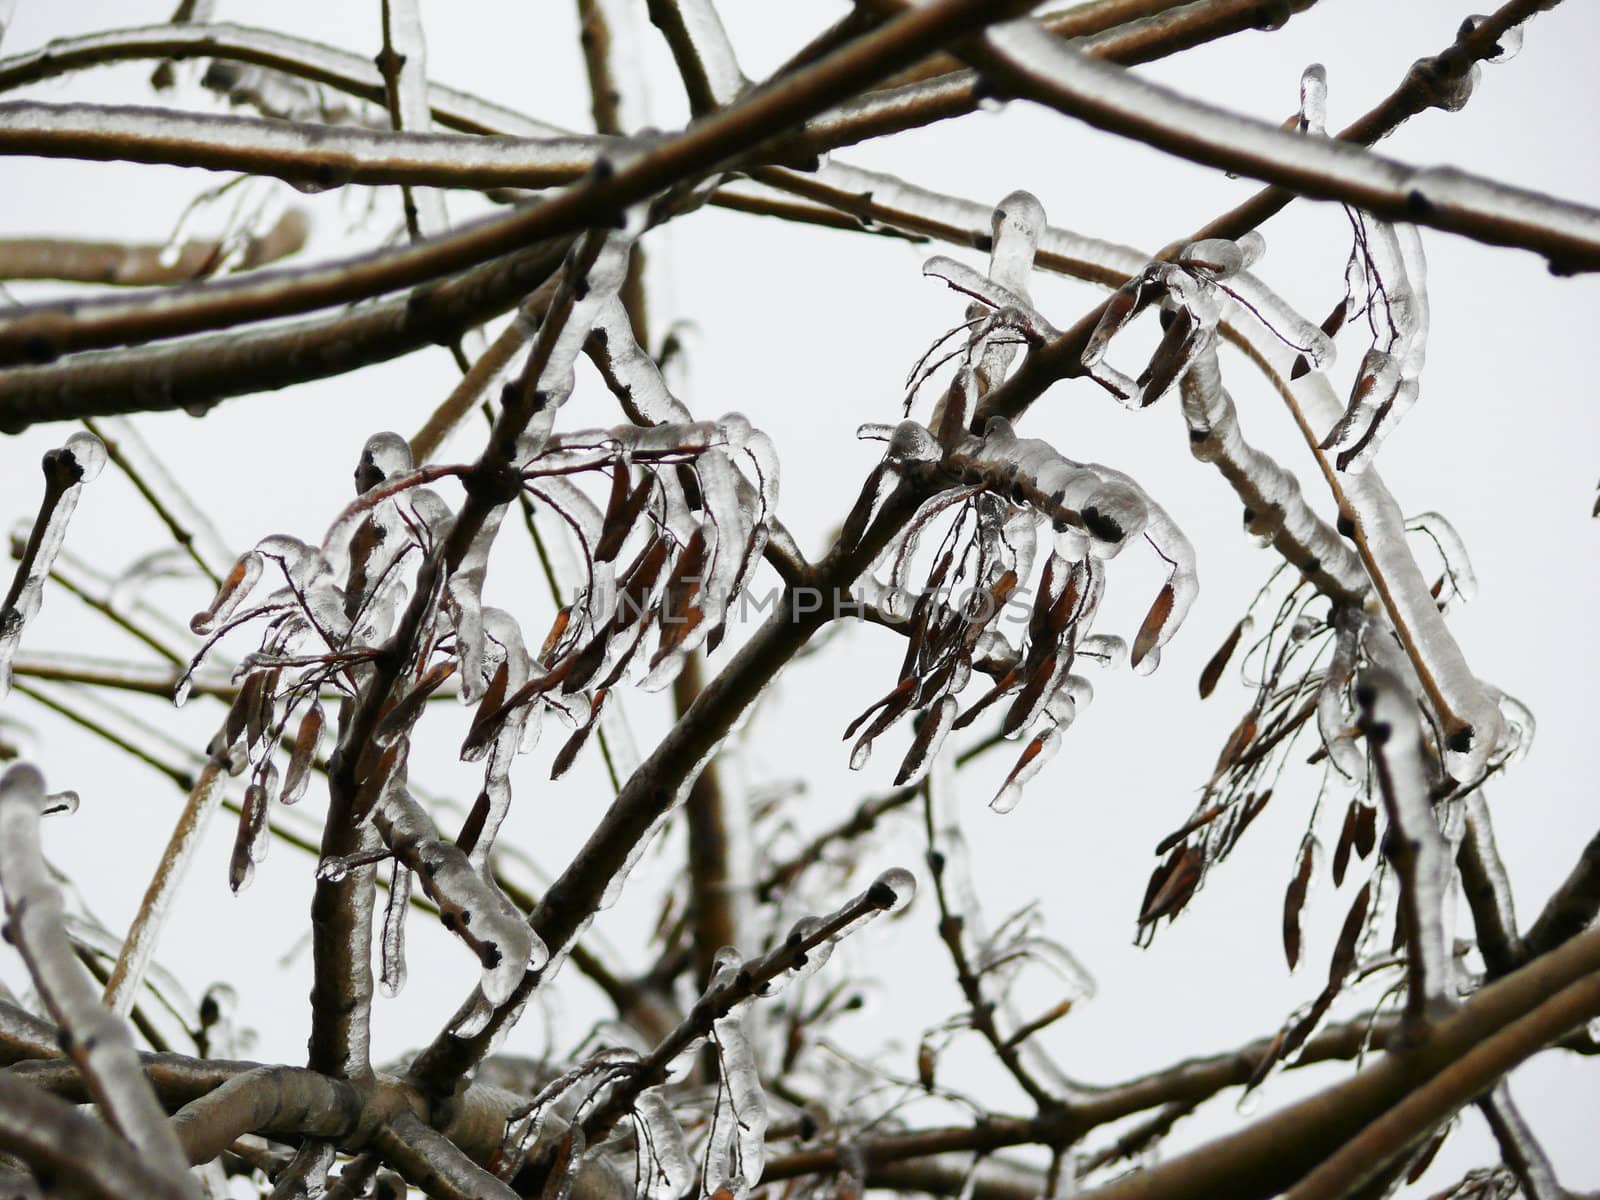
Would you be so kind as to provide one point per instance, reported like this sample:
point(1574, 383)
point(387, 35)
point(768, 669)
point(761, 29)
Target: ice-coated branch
point(1271, 496)
point(66, 470)
point(139, 946)
point(806, 948)
point(488, 368)
point(1488, 890)
point(1571, 908)
point(310, 156)
point(124, 264)
point(1519, 1149)
point(315, 62)
point(714, 909)
point(429, 1161)
point(906, 103)
point(403, 61)
point(1023, 59)
point(1062, 358)
point(42, 332)
point(1475, 1069)
point(1437, 81)
point(657, 786)
point(858, 824)
point(149, 679)
point(1414, 844)
point(1080, 24)
point(700, 46)
point(268, 1101)
point(79, 1153)
point(470, 906)
point(981, 1007)
point(95, 1039)
point(1498, 1026)
point(1468, 717)
point(195, 373)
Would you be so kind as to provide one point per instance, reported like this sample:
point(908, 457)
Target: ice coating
point(1459, 579)
point(1314, 100)
point(1470, 720)
point(1395, 279)
point(632, 370)
point(713, 54)
point(1421, 856)
point(66, 470)
point(298, 772)
point(95, 1039)
point(1335, 722)
point(1035, 755)
point(664, 1167)
point(736, 1149)
point(392, 972)
point(1509, 43)
point(472, 908)
point(1274, 507)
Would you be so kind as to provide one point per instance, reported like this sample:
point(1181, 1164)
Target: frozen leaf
point(1034, 756)
point(1294, 900)
point(393, 972)
point(1219, 661)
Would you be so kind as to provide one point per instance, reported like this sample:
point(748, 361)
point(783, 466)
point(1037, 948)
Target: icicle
point(1314, 100)
point(393, 975)
point(1389, 379)
point(1334, 722)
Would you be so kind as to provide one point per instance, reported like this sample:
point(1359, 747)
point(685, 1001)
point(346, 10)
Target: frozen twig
point(97, 1040)
point(430, 1161)
point(124, 264)
point(66, 470)
point(1272, 500)
point(1519, 1149)
point(269, 1101)
point(77, 1151)
point(1571, 907)
point(42, 332)
point(1414, 844)
point(1488, 890)
point(1473, 1070)
point(1023, 59)
point(311, 156)
point(338, 69)
point(469, 906)
point(805, 949)
point(700, 45)
point(139, 946)
point(404, 65)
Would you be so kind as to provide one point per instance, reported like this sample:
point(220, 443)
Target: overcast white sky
point(810, 333)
